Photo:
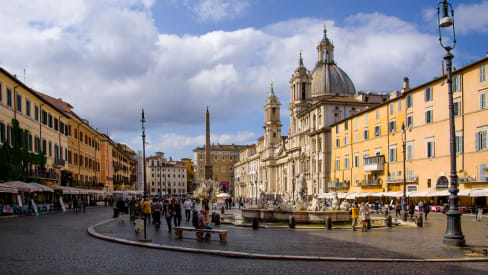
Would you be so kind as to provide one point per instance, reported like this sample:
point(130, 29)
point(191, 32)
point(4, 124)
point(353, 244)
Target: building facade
point(367, 152)
point(165, 177)
point(222, 160)
point(318, 99)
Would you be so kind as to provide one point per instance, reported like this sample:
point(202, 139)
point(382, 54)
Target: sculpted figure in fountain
point(335, 203)
point(262, 199)
point(316, 206)
point(301, 185)
point(345, 205)
point(284, 205)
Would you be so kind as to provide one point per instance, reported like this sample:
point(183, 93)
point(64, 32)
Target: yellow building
point(118, 165)
point(223, 158)
point(367, 148)
point(44, 122)
point(190, 175)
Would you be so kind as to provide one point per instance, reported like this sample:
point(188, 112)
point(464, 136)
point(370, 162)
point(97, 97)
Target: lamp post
point(404, 198)
point(144, 161)
point(454, 234)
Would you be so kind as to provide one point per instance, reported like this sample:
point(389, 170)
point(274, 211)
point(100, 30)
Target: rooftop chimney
point(406, 86)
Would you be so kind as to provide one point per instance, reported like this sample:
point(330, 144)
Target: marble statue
point(335, 202)
point(316, 206)
point(301, 185)
point(262, 199)
point(345, 205)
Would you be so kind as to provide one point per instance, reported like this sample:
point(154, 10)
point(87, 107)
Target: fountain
point(302, 209)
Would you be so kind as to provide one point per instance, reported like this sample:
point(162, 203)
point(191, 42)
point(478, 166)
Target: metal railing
point(376, 163)
point(390, 179)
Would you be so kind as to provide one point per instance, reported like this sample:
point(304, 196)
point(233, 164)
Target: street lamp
point(144, 161)
point(454, 234)
point(404, 199)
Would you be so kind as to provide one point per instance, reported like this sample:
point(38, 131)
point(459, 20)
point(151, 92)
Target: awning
point(442, 193)
point(40, 187)
point(465, 192)
point(5, 189)
point(325, 196)
point(341, 195)
point(351, 196)
point(66, 190)
point(393, 194)
point(420, 194)
point(223, 195)
point(482, 192)
point(20, 186)
point(363, 195)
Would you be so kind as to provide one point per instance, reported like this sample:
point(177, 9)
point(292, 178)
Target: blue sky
point(111, 58)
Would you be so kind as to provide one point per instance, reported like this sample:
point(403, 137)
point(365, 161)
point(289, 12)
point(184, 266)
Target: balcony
point(409, 179)
point(59, 163)
point(49, 174)
point(472, 180)
point(338, 185)
point(370, 182)
point(376, 163)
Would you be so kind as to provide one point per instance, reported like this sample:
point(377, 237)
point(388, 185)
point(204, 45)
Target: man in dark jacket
point(177, 210)
point(168, 214)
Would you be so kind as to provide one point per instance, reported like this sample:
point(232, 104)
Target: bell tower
point(272, 122)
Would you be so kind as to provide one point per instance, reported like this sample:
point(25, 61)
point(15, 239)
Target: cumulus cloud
point(472, 17)
point(108, 60)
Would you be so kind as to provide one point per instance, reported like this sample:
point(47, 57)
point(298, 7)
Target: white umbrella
point(482, 192)
point(40, 187)
point(223, 195)
point(21, 186)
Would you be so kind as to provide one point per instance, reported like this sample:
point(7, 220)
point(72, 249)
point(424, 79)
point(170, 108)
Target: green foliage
point(16, 159)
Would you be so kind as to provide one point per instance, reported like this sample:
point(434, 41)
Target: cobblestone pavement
point(59, 244)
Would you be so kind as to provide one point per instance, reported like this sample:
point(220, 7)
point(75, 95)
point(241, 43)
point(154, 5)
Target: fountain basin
point(270, 215)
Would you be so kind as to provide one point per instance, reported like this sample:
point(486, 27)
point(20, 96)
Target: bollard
point(386, 212)
point(292, 222)
point(255, 223)
point(217, 219)
point(420, 220)
point(212, 217)
point(369, 224)
point(328, 223)
point(388, 221)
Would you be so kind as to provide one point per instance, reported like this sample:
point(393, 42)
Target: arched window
point(303, 90)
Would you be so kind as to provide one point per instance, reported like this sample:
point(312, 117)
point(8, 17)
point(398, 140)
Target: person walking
point(177, 212)
point(206, 208)
point(168, 214)
point(146, 208)
point(75, 205)
point(156, 213)
point(364, 214)
point(132, 209)
point(426, 209)
point(398, 207)
point(187, 205)
point(84, 204)
point(411, 209)
point(354, 215)
point(120, 209)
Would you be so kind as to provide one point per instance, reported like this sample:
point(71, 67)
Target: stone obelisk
point(208, 165)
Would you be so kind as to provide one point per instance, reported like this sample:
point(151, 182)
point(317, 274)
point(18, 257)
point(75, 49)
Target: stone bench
point(200, 232)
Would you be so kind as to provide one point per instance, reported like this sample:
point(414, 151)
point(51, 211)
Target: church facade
point(318, 99)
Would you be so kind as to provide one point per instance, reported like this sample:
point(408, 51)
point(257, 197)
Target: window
point(429, 150)
point(377, 114)
point(377, 130)
point(428, 94)
point(409, 155)
point(356, 160)
point(36, 113)
point(482, 73)
point(459, 144)
point(337, 164)
point(346, 162)
point(61, 127)
point(50, 149)
point(44, 146)
point(365, 134)
point(1, 92)
point(27, 108)
point(9, 136)
point(55, 124)
point(345, 125)
point(399, 105)
point(482, 173)
point(50, 121)
point(392, 126)
point(392, 108)
point(9, 97)
point(392, 154)
point(408, 101)
point(409, 121)
point(481, 140)
point(483, 100)
point(337, 129)
point(2, 132)
point(37, 145)
point(337, 142)
point(345, 140)
point(355, 136)
point(457, 108)
point(81, 136)
point(366, 118)
point(428, 116)
point(30, 142)
point(355, 122)
point(456, 83)
point(19, 103)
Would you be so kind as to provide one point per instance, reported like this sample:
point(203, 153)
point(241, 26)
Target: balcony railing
point(370, 182)
point(376, 163)
point(59, 162)
point(410, 179)
point(470, 180)
point(338, 185)
point(37, 173)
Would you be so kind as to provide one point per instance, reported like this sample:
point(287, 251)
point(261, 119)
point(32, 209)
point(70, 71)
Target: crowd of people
point(151, 211)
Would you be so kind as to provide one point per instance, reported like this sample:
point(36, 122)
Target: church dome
point(327, 77)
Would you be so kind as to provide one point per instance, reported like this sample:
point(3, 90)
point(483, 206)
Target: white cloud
point(471, 17)
point(213, 10)
point(108, 59)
